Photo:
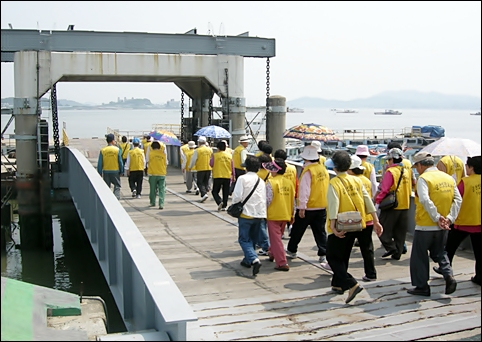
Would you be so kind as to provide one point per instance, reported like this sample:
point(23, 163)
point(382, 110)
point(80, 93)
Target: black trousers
point(203, 181)
point(135, 181)
point(337, 255)
point(455, 238)
point(395, 226)
point(218, 185)
point(237, 173)
point(314, 218)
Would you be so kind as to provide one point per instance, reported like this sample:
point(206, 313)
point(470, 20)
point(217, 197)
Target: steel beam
point(13, 40)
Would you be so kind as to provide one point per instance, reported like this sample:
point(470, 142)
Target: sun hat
point(310, 153)
point(317, 144)
point(271, 166)
point(362, 150)
point(420, 156)
point(356, 162)
point(109, 137)
point(394, 153)
point(201, 139)
point(244, 138)
point(329, 164)
point(136, 141)
point(191, 144)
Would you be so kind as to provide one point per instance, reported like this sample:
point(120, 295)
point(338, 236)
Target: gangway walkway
point(198, 247)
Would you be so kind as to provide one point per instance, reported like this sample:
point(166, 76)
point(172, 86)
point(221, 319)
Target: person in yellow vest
point(290, 173)
point(280, 204)
point(125, 147)
point(190, 173)
point(363, 152)
point(346, 193)
point(239, 157)
point(453, 166)
point(145, 147)
point(260, 147)
point(468, 221)
point(228, 149)
point(157, 162)
point(110, 165)
point(222, 172)
point(395, 220)
point(200, 159)
point(311, 206)
point(437, 202)
point(182, 151)
point(135, 166)
point(364, 237)
point(317, 144)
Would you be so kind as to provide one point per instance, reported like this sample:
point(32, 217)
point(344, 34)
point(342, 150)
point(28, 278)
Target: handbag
point(390, 201)
point(236, 209)
point(349, 221)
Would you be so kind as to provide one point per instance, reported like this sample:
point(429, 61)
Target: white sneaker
point(326, 267)
point(138, 196)
point(220, 206)
point(134, 193)
point(204, 198)
point(290, 254)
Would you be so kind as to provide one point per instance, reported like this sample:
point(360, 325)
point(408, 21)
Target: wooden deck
point(198, 246)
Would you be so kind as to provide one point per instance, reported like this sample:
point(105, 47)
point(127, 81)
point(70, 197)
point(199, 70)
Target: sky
point(331, 50)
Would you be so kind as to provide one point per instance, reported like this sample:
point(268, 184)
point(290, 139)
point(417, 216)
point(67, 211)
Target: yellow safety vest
point(319, 185)
point(404, 190)
point(222, 165)
point(349, 191)
point(110, 158)
point(136, 159)
point(282, 204)
point(454, 165)
point(368, 187)
point(203, 158)
point(189, 154)
point(237, 157)
point(368, 168)
point(441, 192)
point(157, 165)
point(125, 148)
point(291, 174)
point(469, 214)
point(146, 145)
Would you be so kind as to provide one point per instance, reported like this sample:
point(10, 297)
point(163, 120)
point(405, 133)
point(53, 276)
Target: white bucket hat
point(244, 138)
point(362, 150)
point(356, 162)
point(317, 144)
point(310, 153)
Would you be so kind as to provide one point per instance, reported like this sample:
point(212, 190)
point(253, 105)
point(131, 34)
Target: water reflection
point(70, 266)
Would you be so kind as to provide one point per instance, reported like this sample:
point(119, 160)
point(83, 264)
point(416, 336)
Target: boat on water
point(389, 112)
point(347, 111)
point(478, 113)
point(294, 110)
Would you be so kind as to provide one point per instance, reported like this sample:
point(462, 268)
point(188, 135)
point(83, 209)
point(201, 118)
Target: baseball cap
point(329, 164)
point(136, 141)
point(109, 137)
point(362, 150)
point(394, 153)
point(420, 156)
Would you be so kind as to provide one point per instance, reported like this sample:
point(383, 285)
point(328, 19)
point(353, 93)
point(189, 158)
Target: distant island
point(124, 103)
point(407, 99)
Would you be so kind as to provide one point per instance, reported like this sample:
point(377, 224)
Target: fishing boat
point(478, 113)
point(294, 110)
point(389, 112)
point(347, 111)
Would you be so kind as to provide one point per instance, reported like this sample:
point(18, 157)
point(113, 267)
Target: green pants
point(157, 183)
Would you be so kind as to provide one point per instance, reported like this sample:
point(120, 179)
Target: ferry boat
point(478, 113)
point(294, 110)
point(347, 111)
point(389, 112)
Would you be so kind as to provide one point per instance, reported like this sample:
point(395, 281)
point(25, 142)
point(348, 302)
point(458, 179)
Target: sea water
point(94, 123)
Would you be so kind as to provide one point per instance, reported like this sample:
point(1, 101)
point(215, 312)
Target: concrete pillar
point(196, 115)
point(205, 113)
point(276, 122)
point(237, 116)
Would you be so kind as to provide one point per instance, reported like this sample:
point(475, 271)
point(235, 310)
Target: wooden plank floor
point(198, 246)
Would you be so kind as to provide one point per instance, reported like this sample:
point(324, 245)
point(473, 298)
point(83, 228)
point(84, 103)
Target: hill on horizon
point(395, 99)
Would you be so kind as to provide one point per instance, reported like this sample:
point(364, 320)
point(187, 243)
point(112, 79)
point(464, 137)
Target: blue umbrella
point(213, 131)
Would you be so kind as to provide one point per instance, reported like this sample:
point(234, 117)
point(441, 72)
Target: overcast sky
point(332, 50)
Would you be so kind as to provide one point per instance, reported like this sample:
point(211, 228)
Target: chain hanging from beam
point(210, 114)
point(183, 132)
point(55, 125)
point(267, 99)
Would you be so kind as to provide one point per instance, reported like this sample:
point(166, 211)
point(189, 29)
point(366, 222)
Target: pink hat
point(362, 150)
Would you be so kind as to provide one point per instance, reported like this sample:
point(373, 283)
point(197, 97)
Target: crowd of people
point(447, 200)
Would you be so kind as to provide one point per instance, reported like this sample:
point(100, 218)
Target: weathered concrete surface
point(26, 307)
point(199, 248)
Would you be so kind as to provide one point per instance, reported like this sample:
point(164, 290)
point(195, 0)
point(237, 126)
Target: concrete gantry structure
point(200, 65)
